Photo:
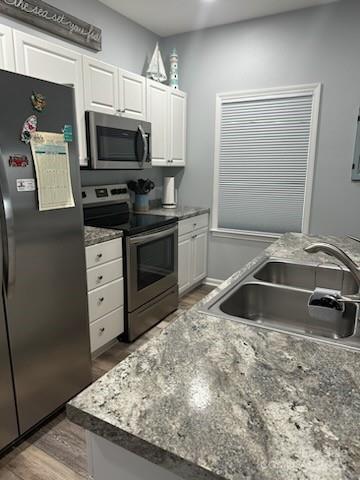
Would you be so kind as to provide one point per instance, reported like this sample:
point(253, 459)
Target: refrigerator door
point(45, 273)
point(8, 421)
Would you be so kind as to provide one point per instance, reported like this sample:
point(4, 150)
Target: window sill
point(245, 235)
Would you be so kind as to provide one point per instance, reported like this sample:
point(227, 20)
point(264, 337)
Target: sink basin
point(275, 295)
point(307, 276)
point(284, 309)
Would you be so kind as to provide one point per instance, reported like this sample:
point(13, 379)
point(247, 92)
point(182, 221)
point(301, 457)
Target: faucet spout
point(340, 255)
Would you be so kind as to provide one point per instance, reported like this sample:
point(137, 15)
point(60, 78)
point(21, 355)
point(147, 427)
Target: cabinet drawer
point(103, 300)
point(106, 329)
point(99, 276)
point(194, 223)
point(103, 252)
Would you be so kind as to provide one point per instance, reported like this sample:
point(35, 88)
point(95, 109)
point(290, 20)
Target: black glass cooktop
point(118, 217)
point(139, 223)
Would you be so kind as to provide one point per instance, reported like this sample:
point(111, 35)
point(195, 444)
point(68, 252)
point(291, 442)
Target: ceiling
point(169, 17)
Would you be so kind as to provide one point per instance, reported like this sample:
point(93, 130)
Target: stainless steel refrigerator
point(44, 330)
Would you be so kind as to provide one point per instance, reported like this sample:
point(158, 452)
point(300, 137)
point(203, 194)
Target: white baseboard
point(213, 282)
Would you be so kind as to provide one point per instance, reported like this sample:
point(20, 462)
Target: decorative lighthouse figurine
point(174, 70)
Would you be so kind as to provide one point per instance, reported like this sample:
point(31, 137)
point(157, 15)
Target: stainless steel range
point(150, 254)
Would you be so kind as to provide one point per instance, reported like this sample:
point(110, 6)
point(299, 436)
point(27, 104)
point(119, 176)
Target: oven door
point(152, 265)
point(117, 143)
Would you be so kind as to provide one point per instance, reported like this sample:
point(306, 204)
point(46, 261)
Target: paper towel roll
point(169, 200)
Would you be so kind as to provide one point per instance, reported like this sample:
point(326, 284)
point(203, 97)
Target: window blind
point(263, 159)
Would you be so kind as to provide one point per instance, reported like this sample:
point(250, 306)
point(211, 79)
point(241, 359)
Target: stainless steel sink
point(275, 294)
point(284, 308)
point(307, 276)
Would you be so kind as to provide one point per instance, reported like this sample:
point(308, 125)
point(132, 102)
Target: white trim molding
point(213, 282)
point(245, 235)
point(313, 89)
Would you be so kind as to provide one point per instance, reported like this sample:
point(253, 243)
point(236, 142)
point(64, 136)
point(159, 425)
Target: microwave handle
point(145, 143)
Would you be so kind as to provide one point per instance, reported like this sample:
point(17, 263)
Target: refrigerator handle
point(7, 229)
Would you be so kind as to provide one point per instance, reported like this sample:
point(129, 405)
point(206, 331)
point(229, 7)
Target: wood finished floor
point(57, 450)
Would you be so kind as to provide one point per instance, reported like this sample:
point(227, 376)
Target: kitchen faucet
point(340, 255)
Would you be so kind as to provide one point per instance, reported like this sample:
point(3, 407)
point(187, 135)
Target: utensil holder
point(141, 203)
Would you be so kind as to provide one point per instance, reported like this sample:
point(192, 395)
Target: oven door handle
point(145, 145)
point(148, 237)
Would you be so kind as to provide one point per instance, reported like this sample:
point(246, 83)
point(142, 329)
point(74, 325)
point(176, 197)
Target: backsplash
point(98, 177)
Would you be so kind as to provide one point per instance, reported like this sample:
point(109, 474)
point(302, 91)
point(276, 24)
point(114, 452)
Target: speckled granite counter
point(94, 235)
point(215, 399)
point(180, 212)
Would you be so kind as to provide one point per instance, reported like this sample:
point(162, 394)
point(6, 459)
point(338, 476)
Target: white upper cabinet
point(103, 88)
point(101, 92)
point(132, 93)
point(7, 59)
point(109, 89)
point(49, 61)
point(157, 114)
point(166, 110)
point(177, 123)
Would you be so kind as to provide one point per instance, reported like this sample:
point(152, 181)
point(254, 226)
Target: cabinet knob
point(101, 299)
point(99, 255)
point(100, 277)
point(101, 330)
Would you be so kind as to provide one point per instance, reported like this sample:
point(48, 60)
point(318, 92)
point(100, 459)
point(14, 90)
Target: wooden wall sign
point(40, 14)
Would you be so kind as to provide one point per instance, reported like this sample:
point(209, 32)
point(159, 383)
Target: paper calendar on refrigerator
point(52, 166)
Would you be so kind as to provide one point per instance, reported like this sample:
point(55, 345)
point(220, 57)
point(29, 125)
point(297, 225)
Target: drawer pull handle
point(101, 299)
point(100, 277)
point(101, 330)
point(99, 255)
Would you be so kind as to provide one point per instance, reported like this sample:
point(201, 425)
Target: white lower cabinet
point(185, 262)
point(193, 242)
point(106, 328)
point(105, 292)
point(107, 461)
point(200, 242)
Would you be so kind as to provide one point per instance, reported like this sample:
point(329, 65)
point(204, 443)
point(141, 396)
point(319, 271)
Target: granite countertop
point(94, 235)
point(180, 212)
point(215, 399)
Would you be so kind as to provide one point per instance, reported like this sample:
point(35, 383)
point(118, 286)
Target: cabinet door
point(132, 95)
point(185, 263)
point(200, 243)
point(101, 92)
point(157, 113)
point(7, 58)
point(177, 127)
point(48, 61)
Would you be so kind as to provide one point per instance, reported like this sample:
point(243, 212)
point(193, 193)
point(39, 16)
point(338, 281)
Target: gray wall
point(313, 45)
point(125, 44)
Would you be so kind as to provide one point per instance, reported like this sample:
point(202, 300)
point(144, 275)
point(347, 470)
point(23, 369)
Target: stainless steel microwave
point(117, 143)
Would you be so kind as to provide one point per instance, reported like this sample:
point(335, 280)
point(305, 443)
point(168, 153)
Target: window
point(264, 160)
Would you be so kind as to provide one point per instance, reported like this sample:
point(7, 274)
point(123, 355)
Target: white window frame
point(313, 89)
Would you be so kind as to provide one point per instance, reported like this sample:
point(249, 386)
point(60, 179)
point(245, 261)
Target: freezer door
point(8, 421)
point(45, 274)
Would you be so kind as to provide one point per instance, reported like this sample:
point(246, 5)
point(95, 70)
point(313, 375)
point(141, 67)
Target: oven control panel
point(100, 194)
